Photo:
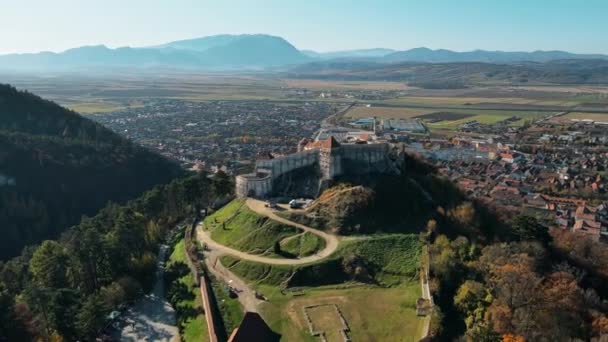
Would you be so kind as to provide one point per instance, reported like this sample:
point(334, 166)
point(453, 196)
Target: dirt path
point(426, 294)
point(152, 318)
point(331, 241)
point(246, 294)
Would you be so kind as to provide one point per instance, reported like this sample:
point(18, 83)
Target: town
point(555, 169)
point(216, 135)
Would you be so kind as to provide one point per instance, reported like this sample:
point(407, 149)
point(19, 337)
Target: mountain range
point(252, 52)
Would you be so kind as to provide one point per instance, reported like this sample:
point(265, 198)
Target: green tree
point(90, 318)
point(11, 328)
point(49, 265)
point(527, 228)
point(222, 184)
point(483, 333)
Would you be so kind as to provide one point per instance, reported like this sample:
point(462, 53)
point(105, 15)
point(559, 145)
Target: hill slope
point(56, 166)
point(572, 71)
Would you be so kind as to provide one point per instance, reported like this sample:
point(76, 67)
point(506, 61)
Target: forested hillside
point(56, 166)
point(63, 290)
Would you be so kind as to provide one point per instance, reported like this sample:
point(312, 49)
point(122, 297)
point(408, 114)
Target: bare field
point(386, 112)
point(344, 85)
point(583, 116)
point(455, 118)
point(464, 101)
point(584, 89)
point(450, 116)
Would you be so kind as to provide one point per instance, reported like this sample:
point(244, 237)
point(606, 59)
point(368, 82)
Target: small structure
point(253, 328)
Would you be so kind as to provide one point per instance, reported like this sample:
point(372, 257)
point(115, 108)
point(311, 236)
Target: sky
point(322, 25)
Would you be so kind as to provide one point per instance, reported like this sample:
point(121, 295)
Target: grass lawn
point(303, 245)
point(238, 227)
point(193, 329)
point(373, 313)
point(390, 260)
point(231, 309)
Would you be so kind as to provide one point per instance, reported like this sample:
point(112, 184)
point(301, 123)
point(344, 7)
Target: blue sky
point(322, 25)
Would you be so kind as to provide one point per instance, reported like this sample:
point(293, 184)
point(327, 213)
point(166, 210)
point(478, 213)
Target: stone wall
point(254, 184)
point(343, 160)
point(288, 163)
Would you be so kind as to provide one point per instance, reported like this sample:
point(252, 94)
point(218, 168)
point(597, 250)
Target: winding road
point(331, 241)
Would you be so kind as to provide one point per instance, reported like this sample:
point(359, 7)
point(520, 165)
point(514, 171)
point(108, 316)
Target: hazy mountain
point(362, 53)
point(251, 51)
point(215, 52)
point(447, 56)
point(200, 44)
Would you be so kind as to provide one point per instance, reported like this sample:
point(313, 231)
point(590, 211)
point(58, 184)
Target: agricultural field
point(238, 227)
point(472, 101)
point(358, 112)
point(344, 85)
point(444, 116)
point(488, 117)
point(456, 118)
point(101, 107)
point(586, 116)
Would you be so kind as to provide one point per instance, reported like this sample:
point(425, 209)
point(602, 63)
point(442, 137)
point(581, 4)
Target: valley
point(301, 171)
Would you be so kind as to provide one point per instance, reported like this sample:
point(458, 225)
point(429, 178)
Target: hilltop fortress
point(315, 162)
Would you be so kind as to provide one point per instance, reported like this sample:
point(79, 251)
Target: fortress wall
point(361, 159)
point(347, 159)
point(248, 184)
point(289, 163)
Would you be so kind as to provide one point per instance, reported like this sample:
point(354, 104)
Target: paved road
point(152, 318)
point(331, 241)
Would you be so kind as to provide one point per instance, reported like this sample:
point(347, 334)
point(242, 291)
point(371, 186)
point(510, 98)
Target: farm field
point(358, 112)
point(587, 116)
point(372, 313)
point(465, 101)
point(99, 107)
point(344, 85)
point(488, 117)
point(485, 116)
